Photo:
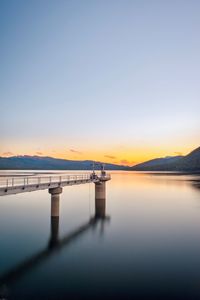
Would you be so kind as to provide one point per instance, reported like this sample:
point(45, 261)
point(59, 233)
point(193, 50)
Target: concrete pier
point(100, 200)
point(100, 190)
point(16, 185)
point(55, 201)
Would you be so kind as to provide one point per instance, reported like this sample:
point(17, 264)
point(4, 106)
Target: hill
point(157, 164)
point(27, 162)
point(188, 163)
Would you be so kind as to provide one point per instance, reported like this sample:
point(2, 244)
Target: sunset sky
point(110, 80)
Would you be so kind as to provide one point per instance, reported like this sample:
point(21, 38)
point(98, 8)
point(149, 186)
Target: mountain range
point(188, 163)
point(27, 162)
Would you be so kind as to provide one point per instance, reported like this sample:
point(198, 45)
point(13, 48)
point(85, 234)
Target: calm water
point(147, 246)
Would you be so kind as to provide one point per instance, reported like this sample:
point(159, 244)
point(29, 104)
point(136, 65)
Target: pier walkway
point(16, 185)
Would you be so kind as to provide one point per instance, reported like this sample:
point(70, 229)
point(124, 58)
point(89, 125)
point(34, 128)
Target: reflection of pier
point(55, 243)
point(195, 183)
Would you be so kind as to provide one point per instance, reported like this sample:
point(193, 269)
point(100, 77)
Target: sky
point(109, 80)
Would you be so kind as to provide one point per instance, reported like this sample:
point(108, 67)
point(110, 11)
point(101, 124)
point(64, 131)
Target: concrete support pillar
point(100, 190)
point(100, 200)
point(55, 201)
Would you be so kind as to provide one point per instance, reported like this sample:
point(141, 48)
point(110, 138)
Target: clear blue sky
point(91, 79)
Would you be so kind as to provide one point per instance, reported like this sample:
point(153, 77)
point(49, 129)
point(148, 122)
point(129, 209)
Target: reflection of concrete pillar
point(100, 208)
point(54, 231)
point(55, 200)
point(100, 200)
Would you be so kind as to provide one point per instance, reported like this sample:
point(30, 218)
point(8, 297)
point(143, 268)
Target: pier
point(54, 184)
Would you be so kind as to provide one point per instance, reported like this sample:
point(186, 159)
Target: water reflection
point(55, 244)
point(150, 250)
point(196, 184)
point(54, 235)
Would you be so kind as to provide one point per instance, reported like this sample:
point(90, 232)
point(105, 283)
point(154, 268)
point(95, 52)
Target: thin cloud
point(124, 162)
point(178, 153)
point(110, 156)
point(39, 153)
point(75, 151)
point(8, 153)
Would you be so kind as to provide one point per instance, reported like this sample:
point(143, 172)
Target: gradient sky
point(110, 80)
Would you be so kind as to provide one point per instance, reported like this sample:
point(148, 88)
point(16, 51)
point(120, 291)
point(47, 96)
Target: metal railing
point(9, 182)
point(107, 176)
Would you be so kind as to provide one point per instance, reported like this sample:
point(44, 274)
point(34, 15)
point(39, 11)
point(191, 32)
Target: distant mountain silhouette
point(157, 164)
point(27, 162)
point(188, 163)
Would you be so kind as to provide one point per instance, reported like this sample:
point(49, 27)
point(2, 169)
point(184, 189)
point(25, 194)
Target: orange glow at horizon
point(122, 155)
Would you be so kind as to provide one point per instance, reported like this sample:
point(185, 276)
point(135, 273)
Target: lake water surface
point(146, 246)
